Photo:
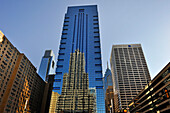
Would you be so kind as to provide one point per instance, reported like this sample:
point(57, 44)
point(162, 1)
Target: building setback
point(21, 87)
point(155, 96)
point(130, 73)
point(81, 32)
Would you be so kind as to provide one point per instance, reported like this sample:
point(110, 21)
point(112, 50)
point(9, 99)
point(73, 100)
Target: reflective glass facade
point(81, 32)
point(47, 66)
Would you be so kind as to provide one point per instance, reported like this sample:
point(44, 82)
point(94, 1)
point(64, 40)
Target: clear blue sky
point(35, 25)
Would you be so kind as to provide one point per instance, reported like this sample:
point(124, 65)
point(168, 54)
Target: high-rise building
point(81, 32)
point(130, 73)
point(47, 66)
point(47, 72)
point(155, 97)
point(108, 91)
point(21, 88)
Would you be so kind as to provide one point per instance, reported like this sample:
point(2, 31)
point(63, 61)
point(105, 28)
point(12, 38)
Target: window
point(99, 79)
point(58, 73)
point(96, 36)
point(95, 23)
point(96, 46)
point(60, 59)
point(99, 87)
point(56, 88)
point(53, 64)
point(66, 17)
point(81, 10)
point(57, 80)
point(98, 64)
point(61, 53)
point(59, 66)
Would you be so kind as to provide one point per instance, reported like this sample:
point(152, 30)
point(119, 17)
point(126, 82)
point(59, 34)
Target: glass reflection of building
point(81, 32)
point(76, 96)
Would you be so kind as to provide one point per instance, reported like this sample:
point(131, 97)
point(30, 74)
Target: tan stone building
point(129, 73)
point(21, 88)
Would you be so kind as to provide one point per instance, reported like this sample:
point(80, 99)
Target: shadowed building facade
point(81, 32)
point(129, 72)
point(155, 97)
point(21, 87)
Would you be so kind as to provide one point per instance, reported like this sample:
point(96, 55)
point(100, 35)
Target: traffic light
point(124, 111)
point(166, 92)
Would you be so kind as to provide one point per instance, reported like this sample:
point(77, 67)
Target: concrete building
point(81, 32)
point(21, 88)
point(129, 72)
point(154, 98)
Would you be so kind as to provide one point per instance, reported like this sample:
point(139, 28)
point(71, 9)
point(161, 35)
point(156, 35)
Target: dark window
point(96, 41)
point(96, 36)
point(97, 52)
point(81, 10)
point(53, 64)
point(66, 17)
point(63, 42)
point(56, 88)
point(60, 59)
point(98, 64)
point(66, 21)
point(61, 53)
point(96, 31)
point(98, 71)
point(58, 73)
point(99, 79)
point(98, 58)
point(96, 46)
point(64, 33)
point(96, 27)
point(57, 80)
point(99, 87)
point(59, 66)
point(95, 23)
point(95, 19)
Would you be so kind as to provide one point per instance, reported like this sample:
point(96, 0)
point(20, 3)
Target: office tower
point(130, 73)
point(75, 96)
point(47, 72)
point(108, 91)
point(81, 32)
point(21, 87)
point(154, 98)
point(47, 66)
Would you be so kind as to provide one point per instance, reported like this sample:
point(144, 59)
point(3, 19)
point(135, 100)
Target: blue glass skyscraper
point(107, 79)
point(47, 66)
point(81, 32)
